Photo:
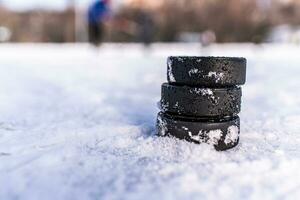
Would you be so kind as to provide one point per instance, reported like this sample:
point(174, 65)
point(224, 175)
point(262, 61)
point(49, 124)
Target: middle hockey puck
point(200, 102)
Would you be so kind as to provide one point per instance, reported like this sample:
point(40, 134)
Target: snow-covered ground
point(76, 123)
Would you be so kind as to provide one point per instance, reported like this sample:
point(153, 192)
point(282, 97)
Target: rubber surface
point(223, 134)
point(200, 102)
point(207, 71)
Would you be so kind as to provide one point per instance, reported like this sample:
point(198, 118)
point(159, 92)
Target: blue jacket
point(97, 12)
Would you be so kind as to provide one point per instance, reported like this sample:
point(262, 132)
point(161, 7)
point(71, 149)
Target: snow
point(77, 123)
point(170, 72)
point(202, 91)
point(213, 136)
point(232, 135)
point(218, 76)
point(193, 71)
point(162, 126)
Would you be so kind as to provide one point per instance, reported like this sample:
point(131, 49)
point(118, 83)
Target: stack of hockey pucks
point(202, 99)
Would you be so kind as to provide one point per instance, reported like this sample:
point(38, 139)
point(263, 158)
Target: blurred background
point(84, 117)
point(203, 21)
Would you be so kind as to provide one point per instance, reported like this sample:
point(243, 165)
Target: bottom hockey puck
point(223, 133)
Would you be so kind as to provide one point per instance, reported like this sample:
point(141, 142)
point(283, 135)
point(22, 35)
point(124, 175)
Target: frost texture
point(162, 126)
point(77, 123)
point(232, 135)
point(204, 92)
point(170, 73)
point(164, 105)
point(218, 76)
point(212, 138)
point(193, 71)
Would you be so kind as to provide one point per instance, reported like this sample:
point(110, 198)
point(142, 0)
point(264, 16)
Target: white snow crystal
point(162, 126)
point(232, 134)
point(176, 104)
point(164, 105)
point(214, 136)
point(180, 59)
point(203, 91)
point(193, 71)
point(170, 73)
point(217, 75)
point(198, 137)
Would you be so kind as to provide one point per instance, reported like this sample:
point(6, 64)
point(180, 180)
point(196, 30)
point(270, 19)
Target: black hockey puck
point(200, 102)
point(222, 134)
point(207, 71)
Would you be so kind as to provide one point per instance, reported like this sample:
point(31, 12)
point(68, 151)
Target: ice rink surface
point(78, 123)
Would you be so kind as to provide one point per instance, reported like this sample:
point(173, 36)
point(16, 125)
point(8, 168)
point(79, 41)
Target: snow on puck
point(200, 102)
point(223, 134)
point(207, 71)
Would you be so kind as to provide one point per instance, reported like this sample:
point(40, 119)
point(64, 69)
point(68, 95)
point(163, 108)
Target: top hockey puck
point(206, 71)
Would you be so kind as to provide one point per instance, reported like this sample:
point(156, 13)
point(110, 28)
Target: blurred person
point(97, 14)
point(145, 28)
